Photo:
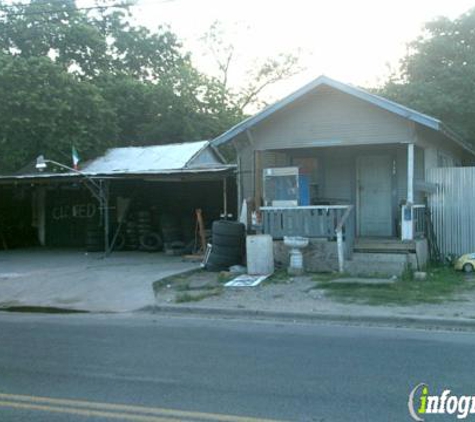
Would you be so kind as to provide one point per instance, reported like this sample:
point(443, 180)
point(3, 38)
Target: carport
point(118, 196)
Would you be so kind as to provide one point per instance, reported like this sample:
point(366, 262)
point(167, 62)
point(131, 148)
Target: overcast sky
point(352, 41)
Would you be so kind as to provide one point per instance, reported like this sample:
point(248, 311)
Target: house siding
point(329, 117)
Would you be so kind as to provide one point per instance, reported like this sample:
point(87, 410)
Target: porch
point(333, 229)
point(360, 198)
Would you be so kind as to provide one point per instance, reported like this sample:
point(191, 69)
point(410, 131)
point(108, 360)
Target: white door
point(374, 195)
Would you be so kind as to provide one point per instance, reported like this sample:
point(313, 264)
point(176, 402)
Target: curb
point(374, 320)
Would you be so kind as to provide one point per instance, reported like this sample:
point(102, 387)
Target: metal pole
point(105, 204)
point(225, 198)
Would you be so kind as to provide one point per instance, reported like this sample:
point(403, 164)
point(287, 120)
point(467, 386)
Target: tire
point(468, 268)
point(228, 228)
point(150, 242)
point(231, 251)
point(223, 260)
point(221, 240)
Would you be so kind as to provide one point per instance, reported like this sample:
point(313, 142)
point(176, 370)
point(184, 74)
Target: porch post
point(257, 180)
point(407, 217)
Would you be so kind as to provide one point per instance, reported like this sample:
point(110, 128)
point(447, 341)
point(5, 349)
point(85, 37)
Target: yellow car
point(466, 263)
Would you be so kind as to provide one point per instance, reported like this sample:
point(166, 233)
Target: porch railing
point(331, 222)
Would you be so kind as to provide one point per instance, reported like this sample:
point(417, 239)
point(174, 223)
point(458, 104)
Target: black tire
point(223, 260)
point(221, 240)
point(231, 251)
point(228, 228)
point(468, 268)
point(151, 242)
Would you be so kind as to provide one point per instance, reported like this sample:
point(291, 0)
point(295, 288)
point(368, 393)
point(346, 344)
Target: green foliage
point(442, 284)
point(91, 79)
point(437, 76)
point(46, 110)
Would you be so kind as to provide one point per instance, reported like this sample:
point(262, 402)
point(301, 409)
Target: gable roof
point(150, 159)
point(190, 158)
point(391, 106)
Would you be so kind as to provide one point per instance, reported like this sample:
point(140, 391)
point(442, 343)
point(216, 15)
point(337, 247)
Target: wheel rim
point(468, 268)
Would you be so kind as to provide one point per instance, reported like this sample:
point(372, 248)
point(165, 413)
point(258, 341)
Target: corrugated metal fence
point(453, 208)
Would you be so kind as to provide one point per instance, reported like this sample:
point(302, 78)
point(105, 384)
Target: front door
point(374, 184)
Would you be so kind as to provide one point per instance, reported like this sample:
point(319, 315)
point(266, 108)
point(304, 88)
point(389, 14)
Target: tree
point(437, 76)
point(89, 77)
point(264, 72)
point(45, 110)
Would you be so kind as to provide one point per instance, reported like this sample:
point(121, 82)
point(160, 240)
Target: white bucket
point(260, 254)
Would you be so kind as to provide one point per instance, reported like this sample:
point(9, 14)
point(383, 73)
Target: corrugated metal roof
point(376, 100)
point(156, 158)
point(148, 161)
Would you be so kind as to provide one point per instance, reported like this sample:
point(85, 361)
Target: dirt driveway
point(72, 279)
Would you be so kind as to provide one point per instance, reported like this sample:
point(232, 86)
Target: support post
point(339, 245)
point(257, 180)
point(104, 194)
point(225, 198)
point(407, 217)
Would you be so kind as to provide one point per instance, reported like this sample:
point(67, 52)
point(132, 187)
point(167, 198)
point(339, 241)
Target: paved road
point(101, 367)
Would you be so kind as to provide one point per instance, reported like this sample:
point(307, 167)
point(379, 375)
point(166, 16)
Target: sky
point(352, 41)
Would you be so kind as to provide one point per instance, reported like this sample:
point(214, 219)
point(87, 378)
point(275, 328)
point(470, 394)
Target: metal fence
point(452, 206)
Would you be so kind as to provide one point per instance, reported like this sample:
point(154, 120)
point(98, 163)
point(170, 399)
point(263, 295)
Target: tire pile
point(139, 234)
point(94, 237)
point(228, 245)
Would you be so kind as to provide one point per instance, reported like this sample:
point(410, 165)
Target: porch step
point(371, 263)
point(384, 245)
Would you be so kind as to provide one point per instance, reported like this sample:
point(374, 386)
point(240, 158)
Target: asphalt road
point(152, 369)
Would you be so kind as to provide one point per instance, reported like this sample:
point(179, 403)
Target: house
point(360, 185)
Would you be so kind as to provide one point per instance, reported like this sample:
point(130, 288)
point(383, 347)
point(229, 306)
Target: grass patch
point(176, 280)
point(442, 284)
point(196, 297)
point(279, 276)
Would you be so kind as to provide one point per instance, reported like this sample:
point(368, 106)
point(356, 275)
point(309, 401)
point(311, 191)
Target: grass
point(442, 284)
point(196, 297)
point(280, 276)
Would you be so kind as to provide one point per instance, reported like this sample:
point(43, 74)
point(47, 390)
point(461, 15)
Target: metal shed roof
point(188, 159)
point(149, 159)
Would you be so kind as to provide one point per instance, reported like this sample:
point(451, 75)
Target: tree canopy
point(87, 77)
point(437, 76)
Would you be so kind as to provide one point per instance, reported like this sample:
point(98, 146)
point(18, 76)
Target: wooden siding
point(328, 117)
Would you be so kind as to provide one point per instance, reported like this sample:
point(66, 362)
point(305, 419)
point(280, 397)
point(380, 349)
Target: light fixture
point(40, 163)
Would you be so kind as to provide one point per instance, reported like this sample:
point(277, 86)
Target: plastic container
point(260, 254)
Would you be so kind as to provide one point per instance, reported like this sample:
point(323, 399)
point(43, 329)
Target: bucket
point(260, 254)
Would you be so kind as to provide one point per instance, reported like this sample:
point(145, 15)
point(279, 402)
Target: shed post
point(407, 218)
point(225, 197)
point(104, 195)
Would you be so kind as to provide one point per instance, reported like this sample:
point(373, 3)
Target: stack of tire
point(94, 237)
point(131, 236)
point(228, 245)
point(148, 240)
point(172, 234)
